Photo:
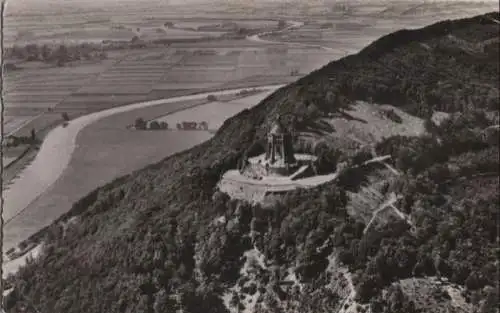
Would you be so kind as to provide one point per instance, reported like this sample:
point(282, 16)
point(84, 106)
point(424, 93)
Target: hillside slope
point(160, 239)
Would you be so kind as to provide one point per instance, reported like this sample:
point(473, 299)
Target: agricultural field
point(22, 32)
point(247, 23)
point(39, 123)
point(105, 25)
point(40, 88)
point(134, 76)
point(12, 123)
point(317, 34)
point(349, 34)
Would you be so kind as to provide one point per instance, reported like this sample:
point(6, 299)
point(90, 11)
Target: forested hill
point(160, 239)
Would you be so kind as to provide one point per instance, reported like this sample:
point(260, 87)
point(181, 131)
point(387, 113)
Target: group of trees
point(211, 98)
point(14, 141)
point(327, 158)
point(412, 76)
point(59, 55)
point(449, 215)
point(141, 124)
point(192, 125)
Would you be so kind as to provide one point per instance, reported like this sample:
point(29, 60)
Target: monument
point(274, 172)
point(279, 158)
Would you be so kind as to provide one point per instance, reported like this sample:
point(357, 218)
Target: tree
point(368, 287)
point(396, 298)
point(327, 159)
point(62, 55)
point(33, 52)
point(140, 123)
point(154, 125)
point(135, 39)
point(491, 300)
point(254, 149)
point(46, 53)
point(33, 134)
point(204, 125)
point(162, 303)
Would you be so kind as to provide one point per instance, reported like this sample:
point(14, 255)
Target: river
point(55, 155)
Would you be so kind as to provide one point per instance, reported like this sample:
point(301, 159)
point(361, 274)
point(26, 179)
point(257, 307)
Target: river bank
point(69, 167)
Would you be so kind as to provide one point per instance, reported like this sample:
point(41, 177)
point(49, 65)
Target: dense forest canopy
point(150, 241)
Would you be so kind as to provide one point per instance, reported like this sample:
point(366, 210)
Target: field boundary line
point(11, 133)
point(167, 69)
point(93, 78)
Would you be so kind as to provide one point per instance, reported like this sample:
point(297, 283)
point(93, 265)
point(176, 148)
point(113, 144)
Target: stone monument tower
point(279, 150)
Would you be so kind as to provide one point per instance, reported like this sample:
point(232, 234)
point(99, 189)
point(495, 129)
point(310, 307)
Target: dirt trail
point(389, 204)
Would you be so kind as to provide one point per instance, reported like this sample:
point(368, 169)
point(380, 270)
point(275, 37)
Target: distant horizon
point(28, 4)
point(19, 8)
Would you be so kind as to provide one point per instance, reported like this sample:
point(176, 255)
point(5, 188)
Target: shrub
point(154, 125)
point(140, 123)
point(10, 67)
point(393, 116)
point(327, 159)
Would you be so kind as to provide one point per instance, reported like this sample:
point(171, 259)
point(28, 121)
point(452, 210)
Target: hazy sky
point(31, 5)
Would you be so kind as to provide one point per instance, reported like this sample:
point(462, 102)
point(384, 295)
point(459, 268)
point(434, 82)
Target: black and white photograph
point(250, 156)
